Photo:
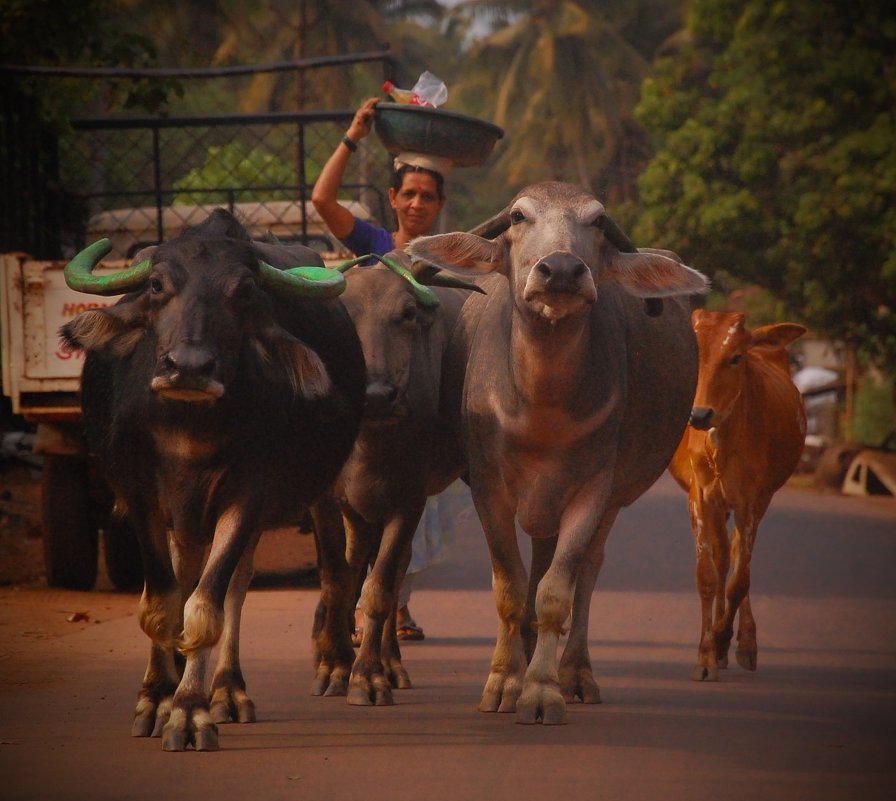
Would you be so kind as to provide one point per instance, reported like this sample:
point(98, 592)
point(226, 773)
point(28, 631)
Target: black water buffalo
point(403, 455)
point(574, 398)
point(221, 395)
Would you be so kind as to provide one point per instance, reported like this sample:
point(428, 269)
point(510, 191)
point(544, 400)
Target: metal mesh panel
point(140, 181)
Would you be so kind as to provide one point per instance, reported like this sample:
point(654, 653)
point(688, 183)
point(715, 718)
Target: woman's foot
point(405, 627)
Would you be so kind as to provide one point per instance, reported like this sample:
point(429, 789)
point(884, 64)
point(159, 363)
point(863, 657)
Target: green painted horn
point(303, 283)
point(79, 272)
point(422, 293)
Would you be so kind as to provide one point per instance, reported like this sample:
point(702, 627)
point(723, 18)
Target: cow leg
point(743, 538)
point(508, 666)
point(332, 646)
point(186, 560)
point(708, 525)
point(542, 553)
point(377, 654)
point(229, 701)
point(576, 674)
point(160, 618)
point(541, 698)
point(747, 648)
point(361, 544)
point(190, 722)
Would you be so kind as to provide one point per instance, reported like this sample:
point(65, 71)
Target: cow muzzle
point(382, 403)
point(187, 373)
point(559, 284)
point(702, 417)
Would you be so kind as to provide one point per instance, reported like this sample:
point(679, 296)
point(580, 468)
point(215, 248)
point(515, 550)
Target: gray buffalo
point(403, 454)
point(575, 395)
point(221, 395)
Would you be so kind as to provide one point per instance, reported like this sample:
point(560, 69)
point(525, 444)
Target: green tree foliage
point(87, 33)
point(774, 163)
point(236, 167)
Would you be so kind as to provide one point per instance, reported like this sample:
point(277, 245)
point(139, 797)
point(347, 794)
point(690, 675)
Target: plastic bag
point(429, 90)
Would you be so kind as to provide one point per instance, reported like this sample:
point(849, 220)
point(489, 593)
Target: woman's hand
point(363, 120)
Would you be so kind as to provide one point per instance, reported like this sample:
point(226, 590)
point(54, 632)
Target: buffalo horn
point(303, 283)
point(423, 294)
point(615, 236)
point(653, 306)
point(79, 275)
point(432, 276)
point(494, 226)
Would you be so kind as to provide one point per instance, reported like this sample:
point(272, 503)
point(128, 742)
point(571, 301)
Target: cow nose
point(188, 362)
point(701, 417)
point(380, 398)
point(561, 271)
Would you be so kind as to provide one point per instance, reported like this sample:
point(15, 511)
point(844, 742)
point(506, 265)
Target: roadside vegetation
point(754, 138)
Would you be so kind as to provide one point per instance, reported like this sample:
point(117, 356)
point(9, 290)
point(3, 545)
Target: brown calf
point(744, 440)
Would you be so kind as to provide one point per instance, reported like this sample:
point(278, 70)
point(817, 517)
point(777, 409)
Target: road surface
point(815, 721)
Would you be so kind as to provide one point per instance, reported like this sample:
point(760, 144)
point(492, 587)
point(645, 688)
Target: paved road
point(816, 721)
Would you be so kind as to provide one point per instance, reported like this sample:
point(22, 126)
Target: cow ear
point(778, 335)
point(653, 275)
point(286, 355)
point(458, 252)
point(116, 329)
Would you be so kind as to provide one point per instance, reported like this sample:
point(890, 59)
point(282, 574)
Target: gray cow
point(574, 399)
point(402, 455)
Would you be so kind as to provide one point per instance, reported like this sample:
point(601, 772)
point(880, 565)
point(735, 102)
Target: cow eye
point(735, 359)
point(243, 289)
point(408, 314)
point(516, 216)
point(156, 287)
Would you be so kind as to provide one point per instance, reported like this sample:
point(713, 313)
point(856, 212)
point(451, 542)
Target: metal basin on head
point(464, 140)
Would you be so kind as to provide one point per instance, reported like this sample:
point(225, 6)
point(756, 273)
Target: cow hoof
point(338, 687)
point(704, 673)
point(206, 740)
point(230, 704)
point(501, 693)
point(163, 712)
point(330, 682)
point(186, 728)
point(377, 693)
point(746, 659)
point(359, 696)
point(144, 720)
point(399, 678)
point(581, 687)
point(542, 703)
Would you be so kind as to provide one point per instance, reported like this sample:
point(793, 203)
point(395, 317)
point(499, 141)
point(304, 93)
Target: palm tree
point(562, 78)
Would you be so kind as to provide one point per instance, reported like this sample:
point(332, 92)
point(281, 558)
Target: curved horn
point(79, 272)
point(303, 283)
point(615, 235)
point(422, 293)
point(494, 226)
point(429, 275)
point(653, 306)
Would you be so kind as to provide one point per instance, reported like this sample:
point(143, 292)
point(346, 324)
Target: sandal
point(407, 629)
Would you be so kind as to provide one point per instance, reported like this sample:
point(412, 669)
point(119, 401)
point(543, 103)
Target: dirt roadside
point(30, 611)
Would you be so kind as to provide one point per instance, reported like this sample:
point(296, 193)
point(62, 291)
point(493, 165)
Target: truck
point(41, 379)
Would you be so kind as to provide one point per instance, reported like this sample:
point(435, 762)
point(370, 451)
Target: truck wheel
point(70, 535)
point(123, 563)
